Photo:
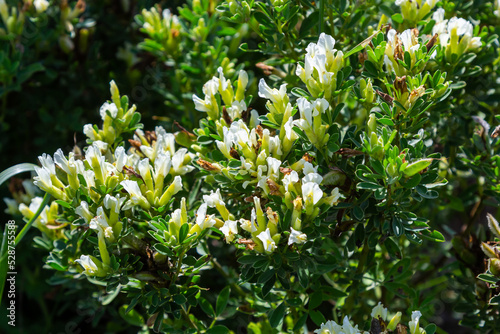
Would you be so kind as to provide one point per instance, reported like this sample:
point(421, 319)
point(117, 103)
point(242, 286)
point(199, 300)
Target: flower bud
point(489, 251)
point(494, 267)
point(493, 225)
point(394, 322)
point(372, 124)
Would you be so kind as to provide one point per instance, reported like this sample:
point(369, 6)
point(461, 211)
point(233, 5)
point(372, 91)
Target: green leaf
point(495, 300)
point(276, 315)
point(183, 232)
point(219, 329)
point(249, 259)
point(368, 185)
point(430, 329)
point(222, 299)
point(299, 92)
point(434, 235)
point(385, 121)
point(266, 276)
point(412, 182)
point(488, 278)
point(16, 169)
point(392, 248)
point(417, 166)
point(397, 227)
point(179, 299)
point(164, 250)
point(317, 317)
point(308, 23)
point(398, 18)
point(360, 46)
point(207, 307)
point(315, 300)
point(131, 316)
point(300, 323)
point(400, 289)
point(371, 68)
point(64, 204)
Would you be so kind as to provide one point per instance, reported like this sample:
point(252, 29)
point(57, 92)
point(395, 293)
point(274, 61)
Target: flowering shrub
point(332, 182)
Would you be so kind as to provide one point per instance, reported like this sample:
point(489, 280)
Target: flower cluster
point(381, 323)
point(110, 182)
point(165, 28)
point(454, 35)
point(254, 156)
point(321, 65)
point(221, 88)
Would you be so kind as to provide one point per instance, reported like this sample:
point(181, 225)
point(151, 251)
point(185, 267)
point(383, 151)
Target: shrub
point(354, 175)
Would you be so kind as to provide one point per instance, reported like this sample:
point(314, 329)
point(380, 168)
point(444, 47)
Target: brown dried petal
point(225, 116)
point(234, 153)
point(207, 165)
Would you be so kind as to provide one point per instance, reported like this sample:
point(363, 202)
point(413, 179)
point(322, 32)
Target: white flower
point(322, 62)
point(135, 192)
point(461, 26)
point(308, 111)
point(177, 183)
point(329, 327)
point(311, 173)
point(100, 224)
point(214, 199)
point(108, 107)
point(144, 168)
point(86, 262)
point(413, 324)
point(254, 119)
point(209, 104)
point(202, 220)
point(440, 25)
point(90, 132)
point(475, 43)
point(290, 179)
point(41, 5)
point(178, 162)
point(177, 217)
point(29, 188)
point(42, 180)
point(249, 225)
point(30, 211)
point(229, 229)
point(89, 177)
point(333, 199)
point(289, 133)
point(121, 158)
point(69, 166)
point(236, 109)
point(201, 105)
point(272, 94)
point(96, 161)
point(267, 240)
point(296, 237)
point(113, 203)
point(83, 211)
point(312, 193)
point(379, 311)
point(163, 164)
point(47, 162)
